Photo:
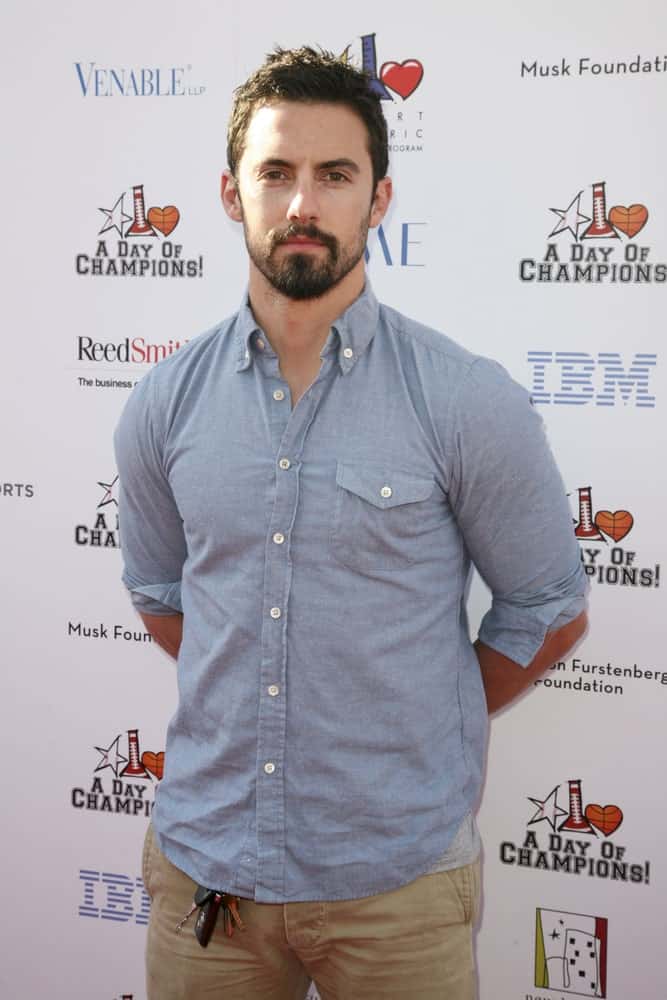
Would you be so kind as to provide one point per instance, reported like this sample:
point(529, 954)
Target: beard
point(301, 276)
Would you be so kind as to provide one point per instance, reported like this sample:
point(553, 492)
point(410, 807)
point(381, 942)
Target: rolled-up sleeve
point(151, 528)
point(511, 506)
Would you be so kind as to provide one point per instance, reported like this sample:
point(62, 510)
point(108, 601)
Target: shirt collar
point(350, 334)
point(356, 328)
point(246, 325)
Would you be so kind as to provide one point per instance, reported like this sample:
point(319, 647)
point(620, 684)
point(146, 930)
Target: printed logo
point(571, 953)
point(136, 81)
point(587, 67)
point(137, 245)
point(101, 532)
point(83, 630)
point(122, 782)
point(401, 246)
point(601, 246)
point(395, 83)
point(113, 896)
point(394, 79)
point(580, 671)
point(18, 491)
point(574, 840)
point(575, 378)
point(613, 565)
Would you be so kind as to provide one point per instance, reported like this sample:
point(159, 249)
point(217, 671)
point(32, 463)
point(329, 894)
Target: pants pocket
point(466, 883)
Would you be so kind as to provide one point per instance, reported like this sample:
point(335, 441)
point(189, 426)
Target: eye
point(336, 176)
point(273, 174)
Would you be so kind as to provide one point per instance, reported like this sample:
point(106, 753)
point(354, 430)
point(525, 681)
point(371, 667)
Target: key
point(208, 915)
point(202, 894)
point(231, 914)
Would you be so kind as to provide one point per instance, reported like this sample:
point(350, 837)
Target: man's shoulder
point(453, 355)
point(181, 362)
point(470, 379)
point(163, 387)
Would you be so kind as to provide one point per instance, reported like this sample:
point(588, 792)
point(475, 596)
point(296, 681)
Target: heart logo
point(154, 762)
point(403, 78)
point(605, 818)
point(629, 220)
point(616, 525)
point(164, 219)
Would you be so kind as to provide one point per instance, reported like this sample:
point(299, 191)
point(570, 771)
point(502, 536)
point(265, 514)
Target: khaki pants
point(413, 943)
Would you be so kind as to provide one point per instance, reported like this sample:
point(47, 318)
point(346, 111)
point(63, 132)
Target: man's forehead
point(323, 129)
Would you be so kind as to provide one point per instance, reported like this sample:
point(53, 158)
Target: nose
point(303, 206)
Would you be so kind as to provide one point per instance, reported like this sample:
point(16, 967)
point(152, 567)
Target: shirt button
point(275, 612)
point(279, 538)
point(284, 463)
point(273, 690)
point(348, 352)
point(260, 344)
point(386, 492)
point(279, 395)
point(269, 767)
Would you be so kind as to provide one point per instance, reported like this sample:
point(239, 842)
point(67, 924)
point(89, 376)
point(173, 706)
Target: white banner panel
point(529, 225)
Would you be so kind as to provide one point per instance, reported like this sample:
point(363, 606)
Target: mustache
point(310, 232)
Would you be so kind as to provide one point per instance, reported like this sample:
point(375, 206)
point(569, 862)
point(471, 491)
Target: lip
point(300, 241)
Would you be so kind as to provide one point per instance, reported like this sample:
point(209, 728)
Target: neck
point(299, 329)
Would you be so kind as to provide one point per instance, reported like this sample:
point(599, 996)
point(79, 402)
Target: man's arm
point(504, 679)
point(512, 509)
point(153, 539)
point(166, 631)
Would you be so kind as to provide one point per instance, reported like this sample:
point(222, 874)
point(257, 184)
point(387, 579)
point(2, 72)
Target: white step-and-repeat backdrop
point(529, 153)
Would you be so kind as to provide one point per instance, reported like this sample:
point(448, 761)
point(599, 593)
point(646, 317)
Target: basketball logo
point(615, 525)
point(629, 220)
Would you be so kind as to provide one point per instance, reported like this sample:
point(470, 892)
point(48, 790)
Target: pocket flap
point(381, 488)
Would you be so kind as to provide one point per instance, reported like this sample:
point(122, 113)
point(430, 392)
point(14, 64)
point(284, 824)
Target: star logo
point(115, 217)
point(569, 218)
point(110, 493)
point(110, 757)
point(547, 809)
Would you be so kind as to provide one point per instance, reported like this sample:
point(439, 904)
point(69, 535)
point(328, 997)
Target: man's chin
point(302, 293)
point(302, 282)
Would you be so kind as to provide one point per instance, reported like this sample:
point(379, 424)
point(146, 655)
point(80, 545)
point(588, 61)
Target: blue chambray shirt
point(331, 724)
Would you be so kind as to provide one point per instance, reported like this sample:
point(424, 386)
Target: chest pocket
point(378, 517)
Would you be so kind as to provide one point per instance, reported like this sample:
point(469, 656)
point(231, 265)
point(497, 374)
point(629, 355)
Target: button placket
point(279, 410)
point(273, 711)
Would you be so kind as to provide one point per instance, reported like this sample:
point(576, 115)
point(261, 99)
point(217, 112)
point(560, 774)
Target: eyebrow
point(326, 165)
point(342, 162)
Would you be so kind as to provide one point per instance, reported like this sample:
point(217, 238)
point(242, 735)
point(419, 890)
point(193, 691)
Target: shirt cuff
point(518, 630)
point(154, 598)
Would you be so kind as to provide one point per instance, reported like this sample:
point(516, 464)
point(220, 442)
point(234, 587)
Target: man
point(303, 489)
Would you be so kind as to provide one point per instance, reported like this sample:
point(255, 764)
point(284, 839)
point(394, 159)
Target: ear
point(231, 199)
point(380, 202)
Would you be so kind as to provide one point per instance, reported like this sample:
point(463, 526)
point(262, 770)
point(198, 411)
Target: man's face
point(305, 195)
